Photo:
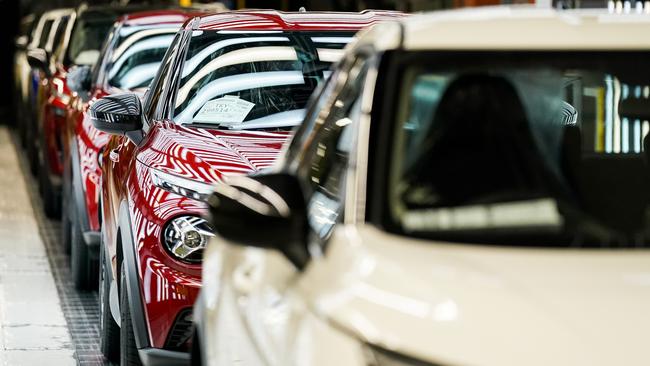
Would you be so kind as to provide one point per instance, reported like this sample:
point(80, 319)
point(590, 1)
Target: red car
point(230, 89)
point(80, 45)
point(129, 61)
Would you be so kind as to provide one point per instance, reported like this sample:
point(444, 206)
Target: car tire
point(128, 350)
point(109, 331)
point(84, 275)
point(51, 199)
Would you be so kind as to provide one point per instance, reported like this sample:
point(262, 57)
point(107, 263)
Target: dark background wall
point(9, 18)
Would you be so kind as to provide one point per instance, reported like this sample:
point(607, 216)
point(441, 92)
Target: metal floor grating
point(81, 310)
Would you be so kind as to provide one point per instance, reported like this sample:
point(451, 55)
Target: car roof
point(515, 28)
point(277, 20)
point(159, 17)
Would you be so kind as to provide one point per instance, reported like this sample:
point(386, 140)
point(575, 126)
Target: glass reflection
point(137, 55)
point(480, 147)
point(254, 80)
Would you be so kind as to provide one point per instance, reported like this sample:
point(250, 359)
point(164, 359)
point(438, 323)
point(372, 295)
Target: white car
point(469, 188)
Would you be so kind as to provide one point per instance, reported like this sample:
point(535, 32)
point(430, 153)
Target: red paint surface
point(310, 21)
point(169, 285)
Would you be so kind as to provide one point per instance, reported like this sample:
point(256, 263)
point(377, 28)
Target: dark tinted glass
point(60, 32)
point(87, 39)
point(45, 33)
point(524, 148)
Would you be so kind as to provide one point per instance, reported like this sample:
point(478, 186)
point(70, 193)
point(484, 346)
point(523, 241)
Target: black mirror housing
point(264, 211)
point(117, 114)
point(39, 59)
point(79, 79)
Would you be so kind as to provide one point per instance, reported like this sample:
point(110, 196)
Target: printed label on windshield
point(226, 110)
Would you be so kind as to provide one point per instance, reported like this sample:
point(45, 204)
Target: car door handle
point(114, 155)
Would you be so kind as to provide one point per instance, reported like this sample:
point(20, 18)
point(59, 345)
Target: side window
point(333, 140)
point(59, 33)
point(157, 89)
point(99, 69)
point(303, 132)
point(45, 33)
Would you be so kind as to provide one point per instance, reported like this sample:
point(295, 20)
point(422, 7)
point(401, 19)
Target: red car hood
point(208, 155)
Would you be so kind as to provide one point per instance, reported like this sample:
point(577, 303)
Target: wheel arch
point(125, 252)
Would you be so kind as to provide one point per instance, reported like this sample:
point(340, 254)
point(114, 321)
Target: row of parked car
point(462, 188)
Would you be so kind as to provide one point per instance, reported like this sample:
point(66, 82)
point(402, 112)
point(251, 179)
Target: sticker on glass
point(226, 110)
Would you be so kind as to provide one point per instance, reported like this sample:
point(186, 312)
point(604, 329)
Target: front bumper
point(156, 356)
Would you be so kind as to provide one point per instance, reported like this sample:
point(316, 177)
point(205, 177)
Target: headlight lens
point(186, 236)
point(185, 187)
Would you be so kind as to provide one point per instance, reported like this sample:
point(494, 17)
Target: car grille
point(181, 332)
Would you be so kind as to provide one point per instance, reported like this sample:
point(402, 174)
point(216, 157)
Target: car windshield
point(87, 39)
point(254, 80)
point(137, 54)
point(524, 148)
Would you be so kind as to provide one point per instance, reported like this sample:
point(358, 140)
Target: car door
point(262, 315)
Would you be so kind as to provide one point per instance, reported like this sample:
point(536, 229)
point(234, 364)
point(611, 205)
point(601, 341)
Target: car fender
point(80, 211)
point(150, 356)
point(129, 259)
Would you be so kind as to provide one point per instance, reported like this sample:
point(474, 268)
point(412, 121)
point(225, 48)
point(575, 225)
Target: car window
point(45, 33)
point(327, 155)
point(157, 89)
point(510, 150)
point(58, 33)
point(99, 69)
point(86, 40)
point(254, 80)
point(136, 56)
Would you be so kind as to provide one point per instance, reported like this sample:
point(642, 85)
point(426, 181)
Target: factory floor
point(42, 317)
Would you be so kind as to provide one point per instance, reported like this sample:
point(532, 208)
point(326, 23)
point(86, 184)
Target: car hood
point(477, 305)
point(208, 155)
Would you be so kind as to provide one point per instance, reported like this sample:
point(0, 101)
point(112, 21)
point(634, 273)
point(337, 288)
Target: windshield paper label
point(226, 110)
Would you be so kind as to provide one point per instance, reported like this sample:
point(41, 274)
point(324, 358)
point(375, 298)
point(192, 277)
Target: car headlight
point(376, 356)
point(185, 237)
point(182, 186)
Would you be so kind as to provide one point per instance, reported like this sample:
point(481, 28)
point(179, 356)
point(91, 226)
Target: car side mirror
point(38, 59)
point(79, 79)
point(118, 114)
point(264, 211)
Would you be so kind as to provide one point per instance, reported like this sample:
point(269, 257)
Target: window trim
point(357, 175)
point(353, 181)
